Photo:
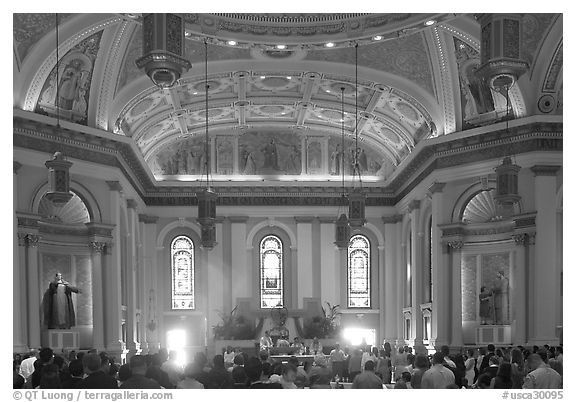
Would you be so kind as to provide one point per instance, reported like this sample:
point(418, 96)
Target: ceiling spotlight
point(328, 90)
point(262, 77)
point(232, 42)
point(288, 78)
point(429, 22)
point(377, 37)
point(280, 47)
point(195, 93)
point(329, 44)
point(187, 34)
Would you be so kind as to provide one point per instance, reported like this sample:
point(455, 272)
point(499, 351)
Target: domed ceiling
point(277, 86)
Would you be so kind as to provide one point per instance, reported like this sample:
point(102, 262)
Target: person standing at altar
point(265, 341)
point(315, 347)
point(485, 308)
point(58, 306)
point(501, 298)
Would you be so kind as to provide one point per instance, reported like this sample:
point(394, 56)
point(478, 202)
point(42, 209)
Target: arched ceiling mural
point(275, 87)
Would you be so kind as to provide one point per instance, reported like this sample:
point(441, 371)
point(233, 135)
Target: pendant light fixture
point(507, 172)
point(58, 167)
point(163, 49)
point(207, 197)
point(342, 225)
point(356, 198)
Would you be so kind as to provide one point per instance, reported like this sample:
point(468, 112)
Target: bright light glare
point(354, 336)
point(175, 340)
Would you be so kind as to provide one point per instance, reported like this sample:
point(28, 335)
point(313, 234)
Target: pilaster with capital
point(391, 303)
point(132, 272)
point(544, 281)
point(34, 290)
point(147, 280)
point(417, 275)
point(97, 248)
point(455, 248)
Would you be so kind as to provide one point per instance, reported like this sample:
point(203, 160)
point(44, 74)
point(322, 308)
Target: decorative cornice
point(436, 187)
point(148, 219)
point(525, 220)
point(545, 170)
point(238, 219)
point(114, 185)
point(131, 203)
point(28, 221)
point(17, 166)
point(392, 219)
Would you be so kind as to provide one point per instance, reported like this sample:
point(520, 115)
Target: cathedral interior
point(202, 178)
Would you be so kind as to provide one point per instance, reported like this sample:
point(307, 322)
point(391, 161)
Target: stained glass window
point(182, 260)
point(271, 273)
point(359, 272)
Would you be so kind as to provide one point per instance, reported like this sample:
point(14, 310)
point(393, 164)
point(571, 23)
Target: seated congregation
point(348, 367)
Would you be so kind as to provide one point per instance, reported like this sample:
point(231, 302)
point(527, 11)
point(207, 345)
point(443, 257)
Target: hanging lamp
point(342, 225)
point(356, 197)
point(163, 49)
point(507, 172)
point(207, 197)
point(58, 167)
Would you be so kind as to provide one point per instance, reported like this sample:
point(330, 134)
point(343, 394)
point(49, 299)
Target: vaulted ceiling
point(274, 76)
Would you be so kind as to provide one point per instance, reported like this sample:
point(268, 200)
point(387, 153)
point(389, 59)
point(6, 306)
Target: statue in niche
point(57, 304)
point(293, 163)
point(270, 152)
point(485, 297)
point(336, 160)
point(249, 163)
point(501, 298)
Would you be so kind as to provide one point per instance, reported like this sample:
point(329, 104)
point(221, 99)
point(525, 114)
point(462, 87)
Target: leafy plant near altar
point(236, 326)
point(324, 326)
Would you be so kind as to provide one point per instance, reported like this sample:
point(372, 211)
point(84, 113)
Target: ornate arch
point(270, 223)
point(180, 223)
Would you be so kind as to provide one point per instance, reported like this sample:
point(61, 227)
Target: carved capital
point(436, 187)
point(114, 186)
point(147, 218)
point(392, 219)
point(456, 244)
point(32, 240)
point(131, 203)
point(524, 239)
point(17, 166)
point(238, 219)
point(414, 204)
point(98, 246)
point(22, 239)
point(545, 170)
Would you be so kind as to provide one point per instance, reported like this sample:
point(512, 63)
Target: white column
point(381, 293)
point(456, 293)
point(440, 306)
point(97, 249)
point(18, 275)
point(215, 278)
point(390, 304)
point(33, 278)
point(547, 283)
point(417, 276)
point(147, 280)
point(400, 284)
point(132, 343)
point(329, 273)
point(241, 273)
point(21, 308)
point(316, 259)
point(227, 263)
point(111, 277)
point(304, 241)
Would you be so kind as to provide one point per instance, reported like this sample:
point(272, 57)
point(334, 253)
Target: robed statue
point(57, 303)
point(485, 297)
point(501, 299)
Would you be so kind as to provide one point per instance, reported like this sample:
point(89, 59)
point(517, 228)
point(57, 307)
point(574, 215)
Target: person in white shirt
point(438, 376)
point(229, 357)
point(27, 365)
point(265, 341)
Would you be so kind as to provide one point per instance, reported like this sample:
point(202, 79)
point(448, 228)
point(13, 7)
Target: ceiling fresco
point(281, 84)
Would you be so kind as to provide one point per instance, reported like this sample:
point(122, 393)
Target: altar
point(301, 358)
point(495, 334)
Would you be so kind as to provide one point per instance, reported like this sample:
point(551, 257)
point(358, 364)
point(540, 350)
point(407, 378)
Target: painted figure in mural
point(80, 105)
point(501, 298)
point(336, 160)
point(181, 161)
point(49, 93)
point(270, 155)
point(485, 297)
point(293, 163)
point(190, 161)
point(250, 164)
point(69, 84)
point(57, 303)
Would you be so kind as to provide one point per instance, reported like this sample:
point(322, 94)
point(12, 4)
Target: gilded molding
point(32, 240)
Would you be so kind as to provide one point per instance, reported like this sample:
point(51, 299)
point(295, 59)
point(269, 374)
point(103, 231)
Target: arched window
point(359, 272)
point(271, 272)
point(182, 261)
